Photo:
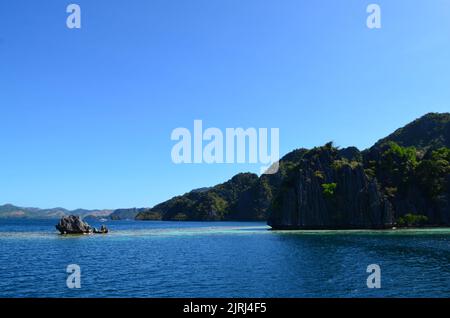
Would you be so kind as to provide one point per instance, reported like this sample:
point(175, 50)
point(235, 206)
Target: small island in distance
point(401, 181)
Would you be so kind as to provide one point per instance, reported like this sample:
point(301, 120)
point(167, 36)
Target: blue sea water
point(226, 259)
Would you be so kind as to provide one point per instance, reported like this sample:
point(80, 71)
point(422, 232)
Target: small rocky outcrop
point(73, 225)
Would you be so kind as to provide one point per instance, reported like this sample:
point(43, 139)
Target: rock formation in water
point(72, 224)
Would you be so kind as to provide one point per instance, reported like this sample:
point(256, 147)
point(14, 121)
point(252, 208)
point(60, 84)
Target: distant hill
point(14, 212)
point(217, 203)
point(429, 131)
point(243, 197)
point(9, 211)
point(126, 214)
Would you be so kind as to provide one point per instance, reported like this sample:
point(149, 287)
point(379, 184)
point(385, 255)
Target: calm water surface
point(226, 259)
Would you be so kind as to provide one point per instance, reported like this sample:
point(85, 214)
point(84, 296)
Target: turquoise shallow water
point(227, 259)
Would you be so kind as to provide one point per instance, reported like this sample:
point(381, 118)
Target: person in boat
point(103, 230)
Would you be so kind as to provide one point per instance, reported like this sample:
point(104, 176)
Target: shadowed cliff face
point(326, 191)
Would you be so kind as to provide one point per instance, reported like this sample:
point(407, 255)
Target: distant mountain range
point(9, 211)
point(12, 211)
point(402, 180)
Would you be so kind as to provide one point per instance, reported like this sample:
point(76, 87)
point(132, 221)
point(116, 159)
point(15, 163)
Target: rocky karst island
point(401, 181)
point(72, 224)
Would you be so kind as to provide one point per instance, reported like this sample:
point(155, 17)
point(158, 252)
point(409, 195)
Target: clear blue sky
point(86, 115)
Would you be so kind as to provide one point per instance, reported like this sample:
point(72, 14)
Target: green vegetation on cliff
point(214, 204)
point(244, 197)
